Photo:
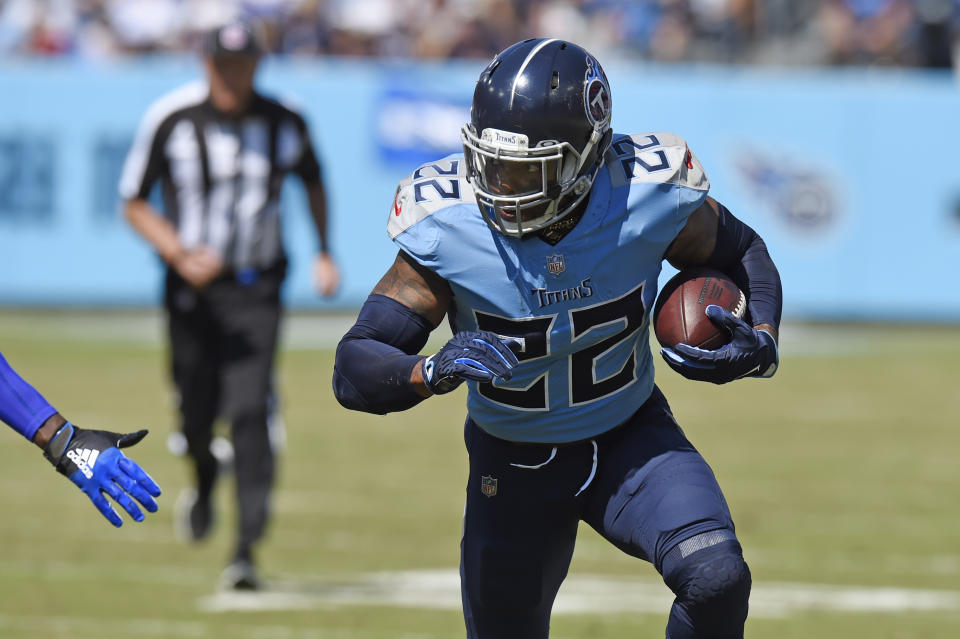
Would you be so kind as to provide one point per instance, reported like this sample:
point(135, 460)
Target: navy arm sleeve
point(22, 407)
point(374, 359)
point(742, 254)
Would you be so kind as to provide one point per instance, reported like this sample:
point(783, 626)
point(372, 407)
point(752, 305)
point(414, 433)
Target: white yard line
point(580, 594)
point(63, 625)
point(74, 626)
point(440, 590)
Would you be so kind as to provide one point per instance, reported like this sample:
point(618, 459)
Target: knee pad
point(712, 585)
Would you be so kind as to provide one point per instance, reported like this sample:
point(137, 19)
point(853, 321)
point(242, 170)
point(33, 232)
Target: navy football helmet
point(539, 126)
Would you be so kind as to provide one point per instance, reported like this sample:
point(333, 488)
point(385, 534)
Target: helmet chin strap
point(598, 132)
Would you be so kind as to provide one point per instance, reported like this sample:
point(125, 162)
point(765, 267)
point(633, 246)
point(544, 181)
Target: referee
point(220, 151)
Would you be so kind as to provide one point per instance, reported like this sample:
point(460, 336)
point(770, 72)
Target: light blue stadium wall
point(851, 176)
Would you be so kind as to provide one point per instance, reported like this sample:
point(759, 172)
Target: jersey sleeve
point(412, 221)
point(404, 228)
point(658, 159)
point(692, 181)
point(664, 180)
point(144, 163)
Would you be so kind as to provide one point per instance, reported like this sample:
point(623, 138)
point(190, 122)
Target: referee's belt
point(250, 275)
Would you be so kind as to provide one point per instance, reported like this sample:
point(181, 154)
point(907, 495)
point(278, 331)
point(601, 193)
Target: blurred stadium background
point(830, 125)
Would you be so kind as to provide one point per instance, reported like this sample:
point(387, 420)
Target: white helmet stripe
point(533, 52)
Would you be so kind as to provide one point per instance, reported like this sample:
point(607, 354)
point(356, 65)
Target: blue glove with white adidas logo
point(478, 355)
point(92, 460)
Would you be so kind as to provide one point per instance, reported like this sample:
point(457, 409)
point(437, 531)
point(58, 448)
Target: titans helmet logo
point(596, 93)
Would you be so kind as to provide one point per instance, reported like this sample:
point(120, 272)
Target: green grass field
point(842, 473)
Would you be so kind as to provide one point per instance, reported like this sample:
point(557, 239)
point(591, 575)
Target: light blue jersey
point(580, 308)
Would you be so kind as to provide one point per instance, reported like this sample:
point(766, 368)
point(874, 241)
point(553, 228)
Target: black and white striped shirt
point(220, 176)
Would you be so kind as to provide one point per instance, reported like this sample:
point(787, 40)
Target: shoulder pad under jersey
point(662, 158)
point(432, 187)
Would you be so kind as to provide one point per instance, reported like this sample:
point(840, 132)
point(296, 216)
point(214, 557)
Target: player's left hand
point(481, 356)
point(92, 460)
point(750, 353)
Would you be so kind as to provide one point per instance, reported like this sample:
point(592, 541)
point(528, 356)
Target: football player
point(91, 459)
point(542, 244)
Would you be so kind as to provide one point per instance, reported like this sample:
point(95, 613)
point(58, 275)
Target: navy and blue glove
point(750, 353)
point(92, 460)
point(478, 355)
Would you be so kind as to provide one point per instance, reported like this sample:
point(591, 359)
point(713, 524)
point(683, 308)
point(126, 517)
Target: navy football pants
point(642, 486)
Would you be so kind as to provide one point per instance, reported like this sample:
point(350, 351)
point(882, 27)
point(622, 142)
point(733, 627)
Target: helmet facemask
point(521, 189)
point(539, 125)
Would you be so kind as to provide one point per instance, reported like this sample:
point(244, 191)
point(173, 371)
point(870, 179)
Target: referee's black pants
point(223, 342)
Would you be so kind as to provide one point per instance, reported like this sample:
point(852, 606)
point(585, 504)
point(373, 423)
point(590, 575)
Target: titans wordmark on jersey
point(579, 308)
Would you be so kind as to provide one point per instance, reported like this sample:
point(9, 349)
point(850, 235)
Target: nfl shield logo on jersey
point(555, 264)
point(488, 485)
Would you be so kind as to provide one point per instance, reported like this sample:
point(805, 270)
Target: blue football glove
point(478, 355)
point(750, 353)
point(92, 460)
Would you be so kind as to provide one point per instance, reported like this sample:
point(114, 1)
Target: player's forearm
point(317, 200)
point(376, 368)
point(374, 377)
point(150, 224)
point(22, 407)
point(742, 254)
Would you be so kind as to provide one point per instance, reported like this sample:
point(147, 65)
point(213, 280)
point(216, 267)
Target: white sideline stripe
point(132, 626)
point(35, 625)
point(440, 590)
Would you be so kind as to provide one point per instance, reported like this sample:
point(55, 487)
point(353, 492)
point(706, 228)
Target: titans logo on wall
point(596, 93)
point(802, 195)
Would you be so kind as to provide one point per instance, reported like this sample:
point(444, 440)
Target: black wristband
point(54, 449)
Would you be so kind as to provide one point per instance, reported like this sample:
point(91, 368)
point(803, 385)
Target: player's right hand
point(92, 460)
point(481, 356)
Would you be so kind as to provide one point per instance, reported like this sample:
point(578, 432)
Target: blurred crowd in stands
point(921, 33)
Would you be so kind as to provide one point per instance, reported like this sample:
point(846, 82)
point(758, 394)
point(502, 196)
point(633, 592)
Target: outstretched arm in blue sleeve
point(91, 459)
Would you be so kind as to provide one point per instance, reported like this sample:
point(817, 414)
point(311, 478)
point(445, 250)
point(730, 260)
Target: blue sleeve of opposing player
point(21, 406)
point(375, 357)
point(742, 254)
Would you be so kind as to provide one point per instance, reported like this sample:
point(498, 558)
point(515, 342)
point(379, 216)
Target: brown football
point(680, 312)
